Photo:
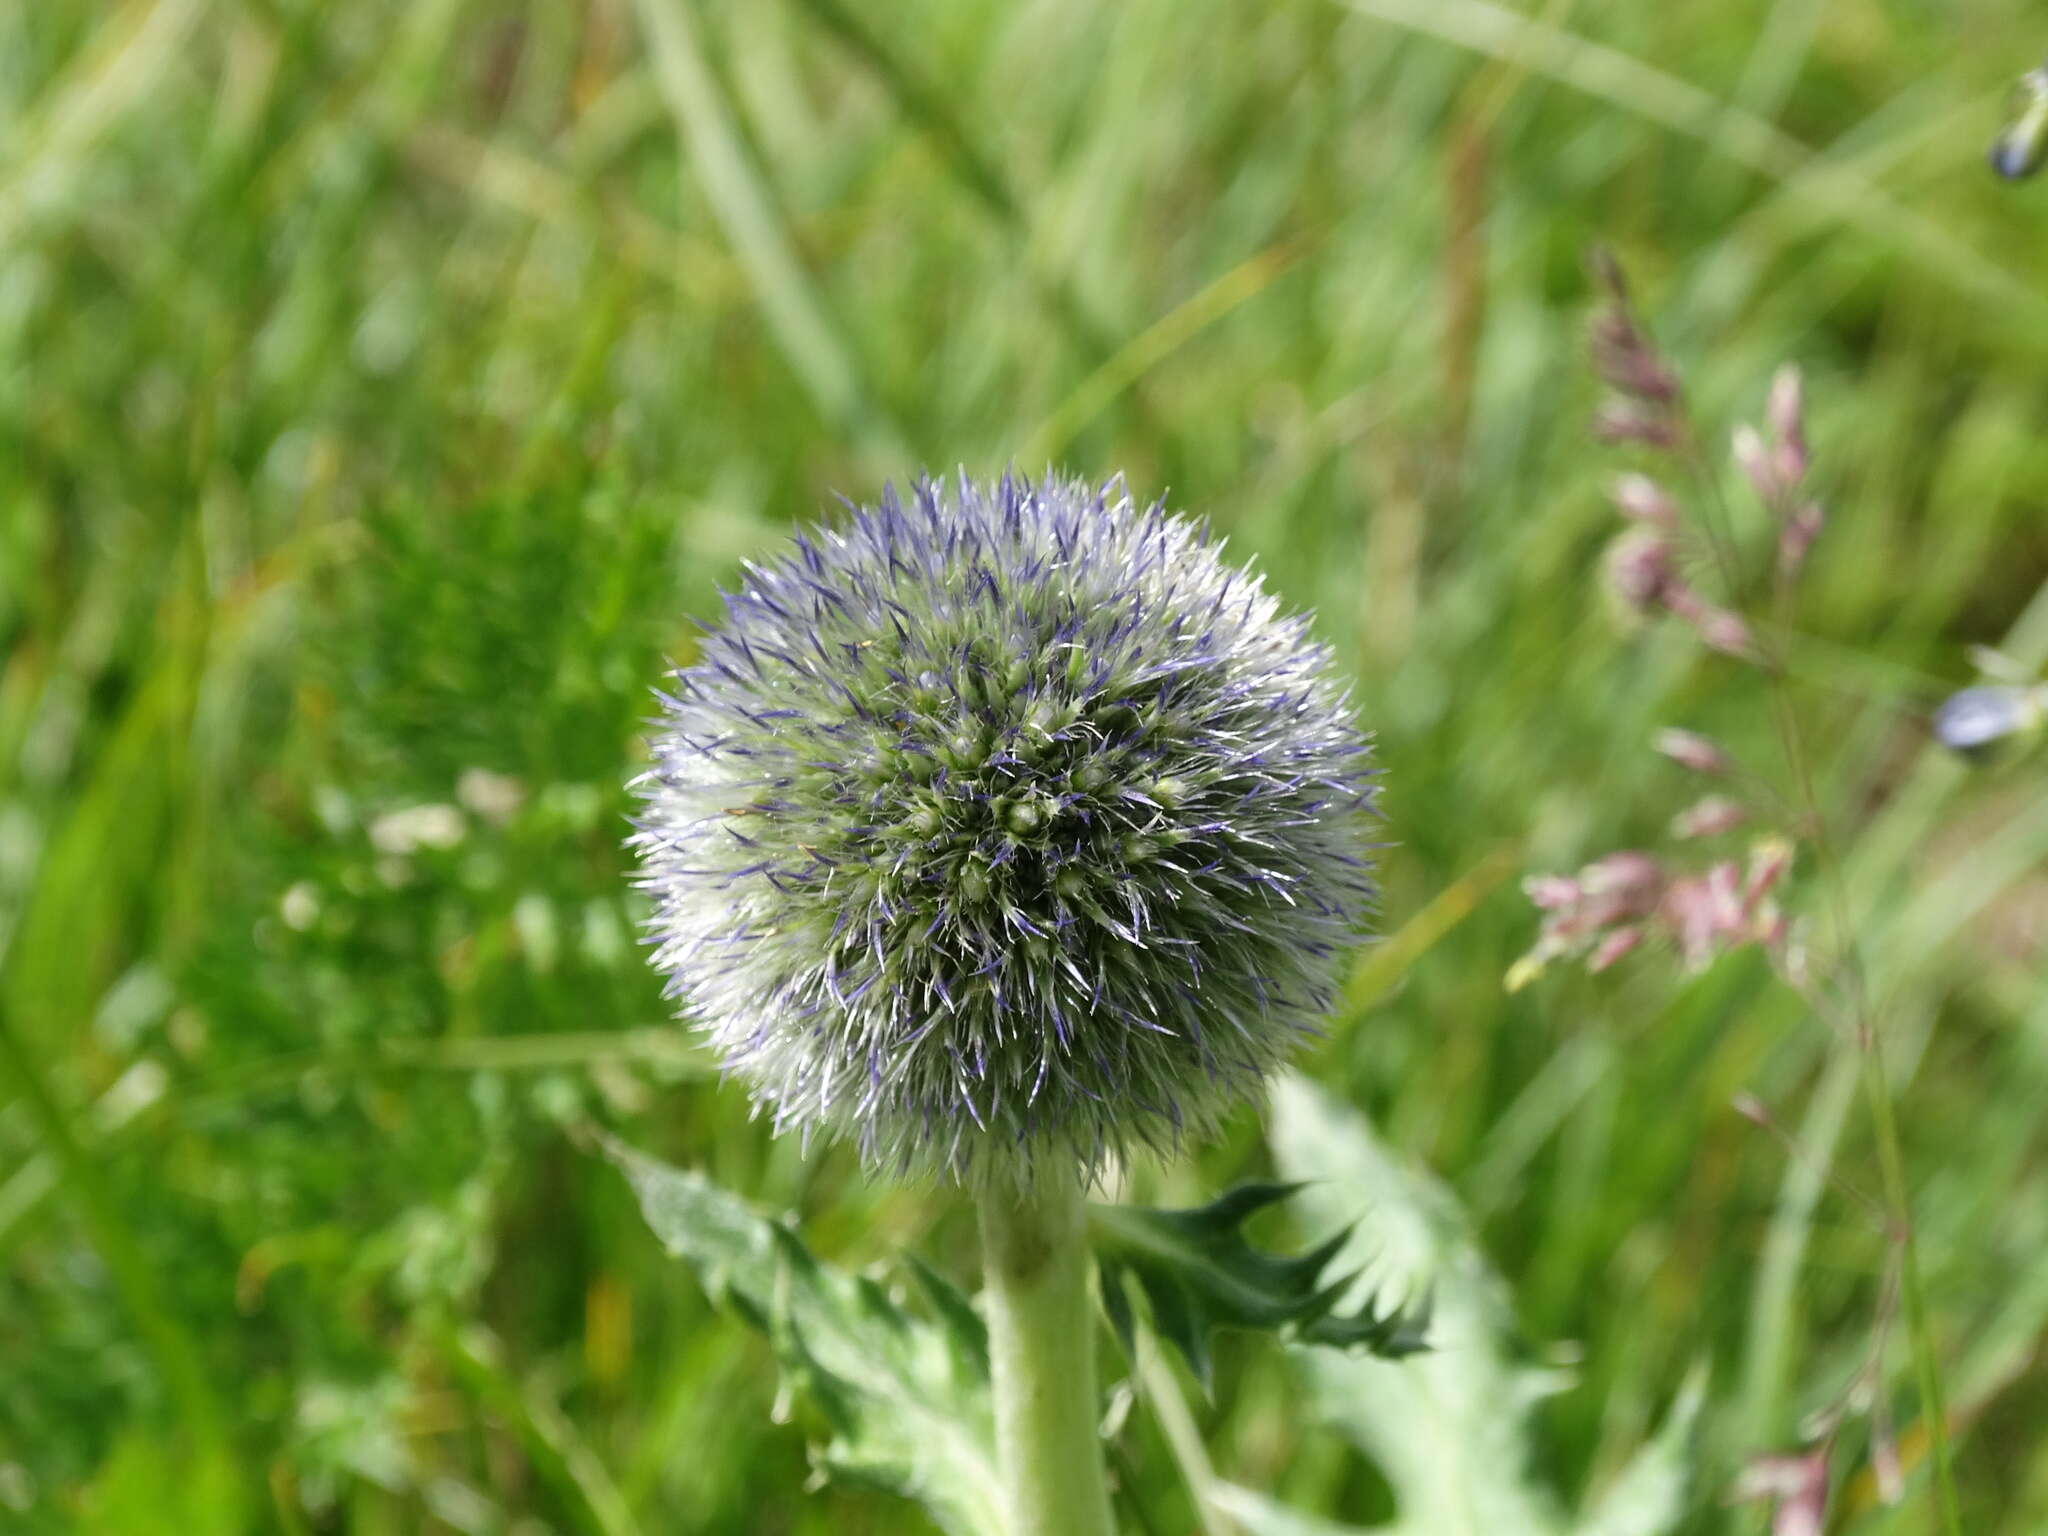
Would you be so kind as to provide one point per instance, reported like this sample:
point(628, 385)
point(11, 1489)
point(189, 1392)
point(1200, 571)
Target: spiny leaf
point(1651, 1493)
point(1197, 1273)
point(905, 1396)
point(956, 1314)
point(1449, 1430)
point(1259, 1515)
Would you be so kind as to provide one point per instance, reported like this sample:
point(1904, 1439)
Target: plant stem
point(1877, 1091)
point(1919, 1327)
point(1041, 1345)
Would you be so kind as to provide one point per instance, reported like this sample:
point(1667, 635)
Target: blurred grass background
point(383, 386)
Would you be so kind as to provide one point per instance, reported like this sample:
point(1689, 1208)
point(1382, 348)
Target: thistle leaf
point(904, 1393)
point(1649, 1495)
point(1448, 1430)
point(1197, 1273)
point(1260, 1515)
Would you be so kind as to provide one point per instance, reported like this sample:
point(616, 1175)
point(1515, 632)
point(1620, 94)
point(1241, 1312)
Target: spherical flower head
point(1005, 829)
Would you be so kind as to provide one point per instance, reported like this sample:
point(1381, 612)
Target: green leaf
point(1651, 1493)
point(905, 1394)
point(1263, 1516)
point(1449, 1430)
point(1197, 1273)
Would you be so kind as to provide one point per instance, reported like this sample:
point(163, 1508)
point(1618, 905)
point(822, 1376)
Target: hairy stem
point(1041, 1345)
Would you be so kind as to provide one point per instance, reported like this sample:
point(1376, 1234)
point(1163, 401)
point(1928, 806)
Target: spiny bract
point(1005, 828)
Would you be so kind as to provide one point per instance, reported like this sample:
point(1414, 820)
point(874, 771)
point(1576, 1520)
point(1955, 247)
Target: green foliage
point(1197, 1272)
point(148, 1486)
point(904, 1396)
point(517, 638)
point(1449, 1429)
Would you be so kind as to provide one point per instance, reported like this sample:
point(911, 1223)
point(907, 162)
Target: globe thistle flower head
point(1004, 829)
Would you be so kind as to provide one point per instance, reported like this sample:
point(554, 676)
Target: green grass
point(382, 389)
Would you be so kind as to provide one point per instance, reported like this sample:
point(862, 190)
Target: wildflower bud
point(1704, 913)
point(2021, 147)
point(1620, 421)
point(1611, 331)
point(1727, 633)
point(1643, 499)
point(1754, 460)
point(1624, 360)
point(1628, 871)
point(1623, 356)
point(1603, 909)
point(1974, 719)
point(1621, 353)
point(1691, 750)
point(1709, 817)
point(1724, 887)
point(993, 915)
point(1604, 272)
point(1613, 947)
point(1785, 414)
point(1718, 629)
point(1797, 1487)
point(1768, 862)
point(1549, 892)
point(1640, 570)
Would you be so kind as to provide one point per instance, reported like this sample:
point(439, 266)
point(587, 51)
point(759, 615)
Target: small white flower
point(491, 797)
point(398, 833)
point(300, 906)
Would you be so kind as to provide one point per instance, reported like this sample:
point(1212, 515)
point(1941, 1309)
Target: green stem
point(1876, 1087)
point(1919, 1327)
point(1041, 1345)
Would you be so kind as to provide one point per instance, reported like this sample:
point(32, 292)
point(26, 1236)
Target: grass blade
point(1157, 342)
point(122, 64)
point(929, 112)
point(804, 329)
point(560, 1455)
point(1622, 80)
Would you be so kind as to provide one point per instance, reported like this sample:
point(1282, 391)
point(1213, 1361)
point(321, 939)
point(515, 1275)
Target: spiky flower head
point(1005, 828)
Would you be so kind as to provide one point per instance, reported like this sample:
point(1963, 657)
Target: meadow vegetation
point(384, 386)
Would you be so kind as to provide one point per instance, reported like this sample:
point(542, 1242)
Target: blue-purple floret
point(1006, 829)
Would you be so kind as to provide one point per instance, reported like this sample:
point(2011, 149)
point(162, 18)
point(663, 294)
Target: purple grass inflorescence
point(1005, 828)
